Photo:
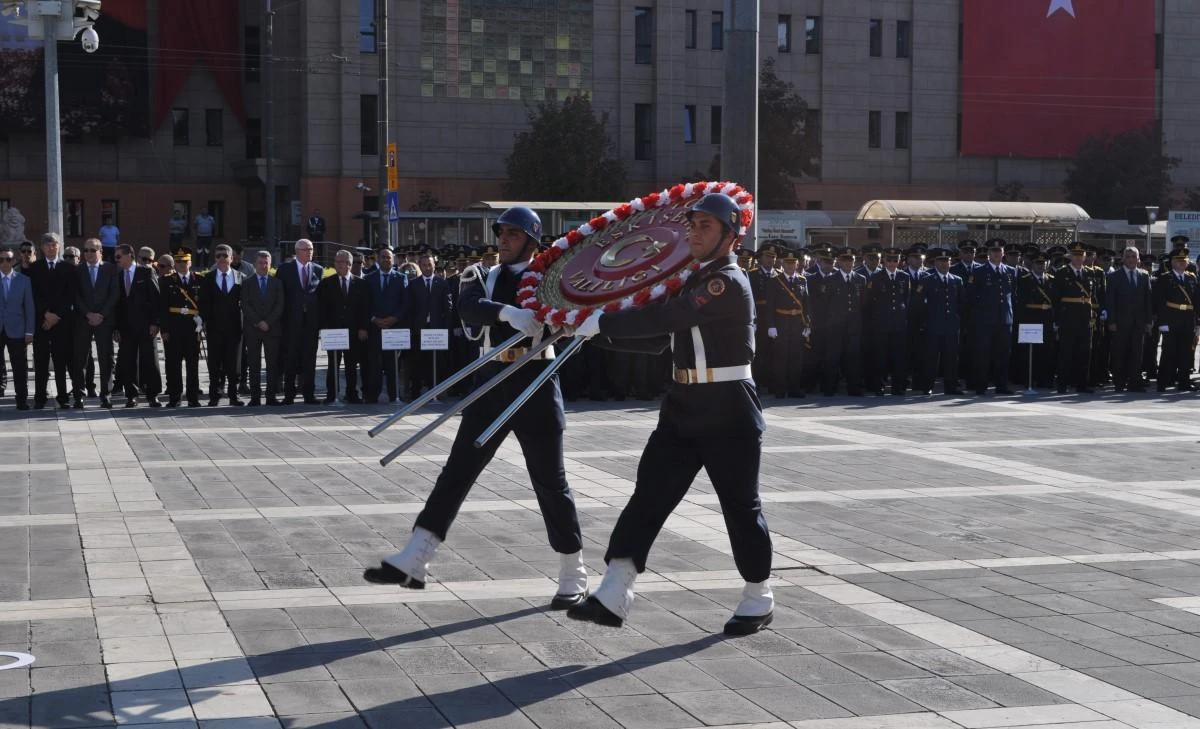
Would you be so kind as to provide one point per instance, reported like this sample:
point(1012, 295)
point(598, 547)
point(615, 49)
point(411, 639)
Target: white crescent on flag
point(1056, 5)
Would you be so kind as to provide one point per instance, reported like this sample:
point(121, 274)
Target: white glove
point(1198, 331)
point(523, 320)
point(1164, 329)
point(1103, 315)
point(199, 323)
point(590, 327)
point(807, 332)
point(772, 332)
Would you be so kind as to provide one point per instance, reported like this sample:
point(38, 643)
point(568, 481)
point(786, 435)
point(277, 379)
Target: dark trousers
point(15, 346)
point(353, 360)
point(543, 450)
point(1175, 361)
point(300, 361)
point(136, 363)
point(841, 355)
point(380, 368)
point(668, 467)
point(1126, 345)
point(1074, 354)
point(260, 346)
point(941, 349)
point(53, 346)
point(422, 370)
point(889, 352)
point(182, 353)
point(989, 356)
point(224, 359)
point(787, 361)
point(85, 334)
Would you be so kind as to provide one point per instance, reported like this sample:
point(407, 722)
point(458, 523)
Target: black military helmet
point(520, 217)
point(720, 206)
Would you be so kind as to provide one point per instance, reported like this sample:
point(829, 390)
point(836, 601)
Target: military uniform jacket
point(990, 295)
point(180, 302)
point(760, 281)
point(887, 301)
point(1075, 297)
point(940, 303)
point(838, 303)
point(1175, 300)
point(787, 304)
point(709, 323)
point(1035, 300)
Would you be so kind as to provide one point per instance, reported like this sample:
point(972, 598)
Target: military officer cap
point(1039, 256)
point(183, 254)
point(893, 252)
point(1180, 253)
point(790, 255)
point(823, 252)
point(995, 244)
point(1057, 251)
point(939, 254)
point(1078, 248)
point(766, 248)
point(845, 253)
point(1030, 251)
point(872, 248)
point(489, 249)
point(364, 250)
point(1180, 239)
point(916, 249)
point(967, 245)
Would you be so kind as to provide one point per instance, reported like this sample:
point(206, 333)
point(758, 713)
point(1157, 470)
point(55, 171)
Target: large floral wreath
point(570, 316)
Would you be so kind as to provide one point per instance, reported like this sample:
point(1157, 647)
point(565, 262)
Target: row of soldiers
point(880, 320)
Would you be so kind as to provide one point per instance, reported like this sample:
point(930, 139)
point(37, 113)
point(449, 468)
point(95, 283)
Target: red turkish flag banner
point(1039, 76)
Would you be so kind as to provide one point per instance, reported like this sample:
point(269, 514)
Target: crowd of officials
point(872, 321)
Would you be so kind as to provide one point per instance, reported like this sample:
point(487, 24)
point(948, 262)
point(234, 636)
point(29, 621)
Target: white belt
point(711, 375)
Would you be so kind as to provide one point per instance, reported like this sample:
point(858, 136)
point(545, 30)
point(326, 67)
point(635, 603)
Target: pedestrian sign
point(393, 206)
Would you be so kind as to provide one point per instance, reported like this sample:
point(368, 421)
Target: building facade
point(882, 79)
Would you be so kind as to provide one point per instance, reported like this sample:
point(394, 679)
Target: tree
point(789, 142)
point(427, 202)
point(566, 154)
point(1012, 191)
point(1112, 172)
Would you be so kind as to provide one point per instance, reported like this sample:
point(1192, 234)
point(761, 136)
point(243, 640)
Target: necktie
point(93, 272)
point(51, 265)
point(128, 280)
point(224, 284)
point(262, 285)
point(345, 287)
point(383, 281)
point(429, 285)
point(304, 276)
point(7, 279)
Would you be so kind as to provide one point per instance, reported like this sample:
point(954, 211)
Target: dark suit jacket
point(389, 300)
point(138, 309)
point(299, 304)
point(340, 311)
point(429, 306)
point(941, 304)
point(53, 291)
point(99, 299)
point(256, 307)
point(1128, 306)
point(218, 308)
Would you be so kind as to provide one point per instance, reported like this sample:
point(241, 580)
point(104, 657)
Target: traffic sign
point(393, 179)
point(391, 155)
point(393, 206)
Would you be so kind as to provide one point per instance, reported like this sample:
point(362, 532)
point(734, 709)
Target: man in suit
point(1074, 294)
point(301, 323)
point(53, 282)
point(262, 327)
point(429, 308)
point(180, 290)
point(939, 301)
point(387, 304)
point(1130, 312)
point(98, 289)
point(17, 321)
point(989, 291)
point(138, 312)
point(887, 318)
point(343, 304)
point(221, 310)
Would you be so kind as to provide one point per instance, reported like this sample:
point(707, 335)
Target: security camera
point(90, 40)
point(362, 186)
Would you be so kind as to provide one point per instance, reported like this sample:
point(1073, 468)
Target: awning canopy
point(568, 206)
point(928, 212)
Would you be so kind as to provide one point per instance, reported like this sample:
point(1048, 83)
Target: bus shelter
point(945, 221)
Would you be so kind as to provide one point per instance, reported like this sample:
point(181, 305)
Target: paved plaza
point(941, 563)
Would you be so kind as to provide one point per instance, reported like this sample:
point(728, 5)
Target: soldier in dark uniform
point(1074, 294)
point(886, 345)
point(1150, 345)
point(939, 301)
point(488, 300)
point(963, 268)
point(710, 418)
point(760, 278)
point(1176, 293)
point(871, 254)
point(1097, 268)
point(989, 291)
point(180, 333)
point(1034, 304)
point(785, 318)
point(837, 309)
point(915, 268)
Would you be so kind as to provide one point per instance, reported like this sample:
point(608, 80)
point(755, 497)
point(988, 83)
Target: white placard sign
point(335, 339)
point(394, 339)
point(432, 339)
point(1029, 334)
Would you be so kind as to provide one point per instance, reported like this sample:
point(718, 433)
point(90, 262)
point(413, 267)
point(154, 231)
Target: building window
point(783, 34)
point(214, 134)
point(110, 212)
point(689, 28)
point(813, 205)
point(643, 35)
point(718, 30)
point(714, 125)
point(903, 39)
point(368, 130)
point(216, 208)
point(253, 138)
point(689, 124)
point(252, 50)
point(643, 131)
point(366, 26)
point(812, 35)
point(874, 129)
point(903, 130)
point(179, 127)
point(876, 38)
point(74, 221)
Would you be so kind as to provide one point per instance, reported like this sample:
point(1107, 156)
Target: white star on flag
point(1056, 5)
